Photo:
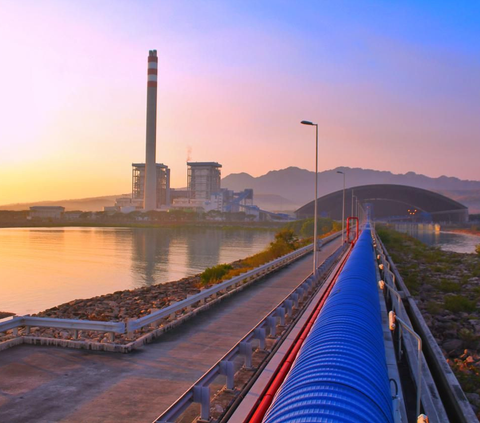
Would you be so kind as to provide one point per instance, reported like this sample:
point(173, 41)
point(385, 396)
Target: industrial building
point(46, 212)
point(203, 180)
point(162, 184)
point(389, 203)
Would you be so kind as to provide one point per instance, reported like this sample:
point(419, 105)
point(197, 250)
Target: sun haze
point(392, 87)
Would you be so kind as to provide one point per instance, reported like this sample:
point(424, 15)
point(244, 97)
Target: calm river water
point(44, 267)
point(449, 241)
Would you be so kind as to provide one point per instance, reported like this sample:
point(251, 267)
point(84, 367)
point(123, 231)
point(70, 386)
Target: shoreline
point(257, 226)
point(115, 307)
point(467, 231)
point(136, 303)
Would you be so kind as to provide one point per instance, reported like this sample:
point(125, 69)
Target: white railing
point(170, 311)
point(70, 324)
point(233, 283)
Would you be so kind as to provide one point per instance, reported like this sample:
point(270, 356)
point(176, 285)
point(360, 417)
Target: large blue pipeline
point(340, 374)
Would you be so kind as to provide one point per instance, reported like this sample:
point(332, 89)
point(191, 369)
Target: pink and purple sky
point(394, 86)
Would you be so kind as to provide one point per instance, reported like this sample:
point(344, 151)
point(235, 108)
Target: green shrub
point(477, 249)
point(433, 307)
point(457, 303)
point(304, 228)
point(449, 286)
point(215, 273)
point(439, 269)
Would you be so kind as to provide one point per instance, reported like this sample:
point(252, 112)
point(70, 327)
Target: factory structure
point(151, 180)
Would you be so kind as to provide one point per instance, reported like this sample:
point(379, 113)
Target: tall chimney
point(150, 196)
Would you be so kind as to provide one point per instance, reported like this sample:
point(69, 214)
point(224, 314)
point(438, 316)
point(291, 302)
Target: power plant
point(151, 180)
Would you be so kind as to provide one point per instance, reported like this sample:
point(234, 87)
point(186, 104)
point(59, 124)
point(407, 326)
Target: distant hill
point(297, 185)
point(83, 204)
point(287, 189)
point(272, 202)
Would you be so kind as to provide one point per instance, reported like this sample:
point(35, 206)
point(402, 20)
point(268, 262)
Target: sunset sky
point(393, 85)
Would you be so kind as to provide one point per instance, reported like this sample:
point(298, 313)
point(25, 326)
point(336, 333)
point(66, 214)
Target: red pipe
point(283, 369)
point(356, 229)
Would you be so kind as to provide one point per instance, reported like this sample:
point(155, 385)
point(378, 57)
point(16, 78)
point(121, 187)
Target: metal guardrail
point(199, 392)
point(233, 283)
point(427, 394)
point(70, 324)
point(447, 395)
point(120, 327)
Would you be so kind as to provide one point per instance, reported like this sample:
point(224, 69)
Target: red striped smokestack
point(150, 196)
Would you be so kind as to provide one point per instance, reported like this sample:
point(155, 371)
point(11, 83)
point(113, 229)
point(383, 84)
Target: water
point(448, 241)
point(44, 267)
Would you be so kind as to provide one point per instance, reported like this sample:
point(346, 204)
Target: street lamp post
point(352, 203)
point(343, 206)
point(306, 122)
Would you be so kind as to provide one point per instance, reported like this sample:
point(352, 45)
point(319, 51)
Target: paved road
point(51, 384)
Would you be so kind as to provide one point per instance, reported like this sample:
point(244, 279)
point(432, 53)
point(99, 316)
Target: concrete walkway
point(50, 384)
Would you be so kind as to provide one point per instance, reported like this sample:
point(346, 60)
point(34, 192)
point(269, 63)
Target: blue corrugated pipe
point(340, 374)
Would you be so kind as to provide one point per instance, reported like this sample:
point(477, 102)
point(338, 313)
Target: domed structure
point(389, 202)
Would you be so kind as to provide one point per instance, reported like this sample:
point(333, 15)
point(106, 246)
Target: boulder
point(453, 346)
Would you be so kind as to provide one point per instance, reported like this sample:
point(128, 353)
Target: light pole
point(306, 122)
point(343, 206)
point(352, 203)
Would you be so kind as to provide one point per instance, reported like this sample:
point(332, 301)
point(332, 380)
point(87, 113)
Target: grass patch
point(285, 242)
point(449, 286)
point(434, 308)
point(457, 303)
point(215, 273)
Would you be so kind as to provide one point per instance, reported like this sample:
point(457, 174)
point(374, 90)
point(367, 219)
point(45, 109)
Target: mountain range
point(287, 189)
point(296, 186)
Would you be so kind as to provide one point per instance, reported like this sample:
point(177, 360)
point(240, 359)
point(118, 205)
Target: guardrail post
point(295, 299)
point(201, 395)
point(246, 351)
point(227, 369)
point(300, 292)
point(27, 330)
point(130, 334)
point(15, 332)
point(288, 307)
point(281, 313)
point(272, 326)
point(259, 333)
point(154, 325)
point(75, 334)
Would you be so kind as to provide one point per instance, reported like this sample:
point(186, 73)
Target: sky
point(392, 85)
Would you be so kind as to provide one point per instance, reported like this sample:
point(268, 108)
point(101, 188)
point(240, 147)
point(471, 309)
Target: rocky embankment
point(124, 305)
point(4, 314)
point(446, 286)
point(118, 306)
